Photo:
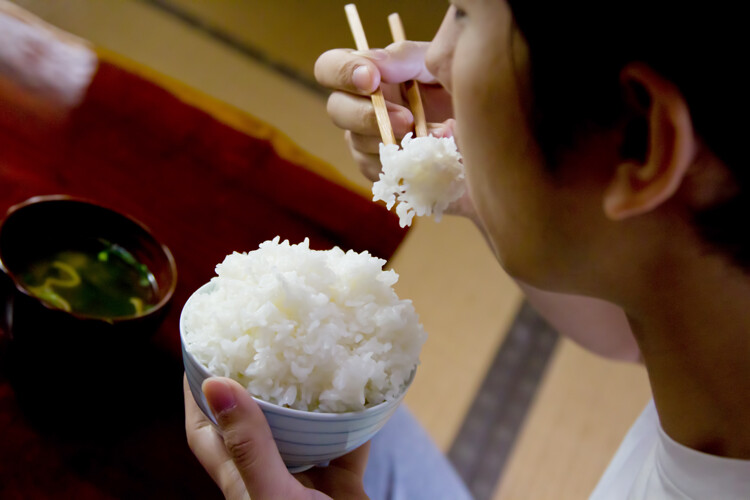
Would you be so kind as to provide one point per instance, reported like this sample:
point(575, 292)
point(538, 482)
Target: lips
point(450, 131)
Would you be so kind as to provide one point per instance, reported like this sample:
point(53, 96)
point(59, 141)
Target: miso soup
point(94, 278)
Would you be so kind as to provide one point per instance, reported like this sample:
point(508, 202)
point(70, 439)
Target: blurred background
point(521, 413)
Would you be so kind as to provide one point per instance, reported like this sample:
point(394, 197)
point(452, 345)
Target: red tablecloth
point(205, 189)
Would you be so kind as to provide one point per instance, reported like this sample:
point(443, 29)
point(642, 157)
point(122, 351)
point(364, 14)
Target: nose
point(439, 57)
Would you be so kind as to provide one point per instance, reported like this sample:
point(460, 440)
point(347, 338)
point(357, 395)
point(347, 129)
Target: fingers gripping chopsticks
point(378, 101)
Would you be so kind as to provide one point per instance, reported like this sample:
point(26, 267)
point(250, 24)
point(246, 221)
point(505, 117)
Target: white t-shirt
point(651, 465)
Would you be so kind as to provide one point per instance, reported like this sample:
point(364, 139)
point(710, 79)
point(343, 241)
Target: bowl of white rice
point(318, 337)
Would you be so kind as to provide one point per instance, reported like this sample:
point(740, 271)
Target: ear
point(641, 185)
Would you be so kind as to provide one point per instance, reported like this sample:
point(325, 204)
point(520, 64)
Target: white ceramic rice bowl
point(304, 439)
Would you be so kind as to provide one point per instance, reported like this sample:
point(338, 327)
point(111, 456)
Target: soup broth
point(96, 278)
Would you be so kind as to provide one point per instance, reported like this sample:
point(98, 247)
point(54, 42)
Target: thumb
point(248, 440)
point(401, 62)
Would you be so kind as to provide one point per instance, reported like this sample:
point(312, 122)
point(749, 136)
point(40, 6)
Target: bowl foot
point(295, 469)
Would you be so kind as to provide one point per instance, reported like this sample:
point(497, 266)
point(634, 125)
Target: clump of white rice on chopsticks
point(311, 330)
point(423, 177)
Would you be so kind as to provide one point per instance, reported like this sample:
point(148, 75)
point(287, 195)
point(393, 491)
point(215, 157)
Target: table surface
point(95, 426)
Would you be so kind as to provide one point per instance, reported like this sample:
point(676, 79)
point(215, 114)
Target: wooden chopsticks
point(412, 87)
point(378, 101)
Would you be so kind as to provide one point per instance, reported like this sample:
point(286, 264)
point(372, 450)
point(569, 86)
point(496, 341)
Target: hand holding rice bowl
point(319, 338)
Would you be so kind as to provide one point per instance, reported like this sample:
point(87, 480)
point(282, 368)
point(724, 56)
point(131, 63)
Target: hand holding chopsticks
point(378, 101)
point(412, 87)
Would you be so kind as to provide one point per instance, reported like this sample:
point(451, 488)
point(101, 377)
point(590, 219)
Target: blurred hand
point(245, 463)
point(44, 71)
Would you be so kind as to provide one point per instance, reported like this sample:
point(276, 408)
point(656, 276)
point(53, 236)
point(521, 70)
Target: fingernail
point(219, 395)
point(362, 78)
point(375, 54)
point(436, 129)
point(444, 129)
point(378, 54)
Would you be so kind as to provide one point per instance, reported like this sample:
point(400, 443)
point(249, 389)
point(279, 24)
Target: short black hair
point(578, 49)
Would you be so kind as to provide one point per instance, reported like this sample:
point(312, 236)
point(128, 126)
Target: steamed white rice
point(311, 330)
point(424, 176)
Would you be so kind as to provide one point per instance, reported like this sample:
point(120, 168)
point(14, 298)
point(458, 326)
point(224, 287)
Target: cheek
point(490, 127)
point(506, 176)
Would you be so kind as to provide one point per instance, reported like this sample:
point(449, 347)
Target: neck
point(694, 336)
